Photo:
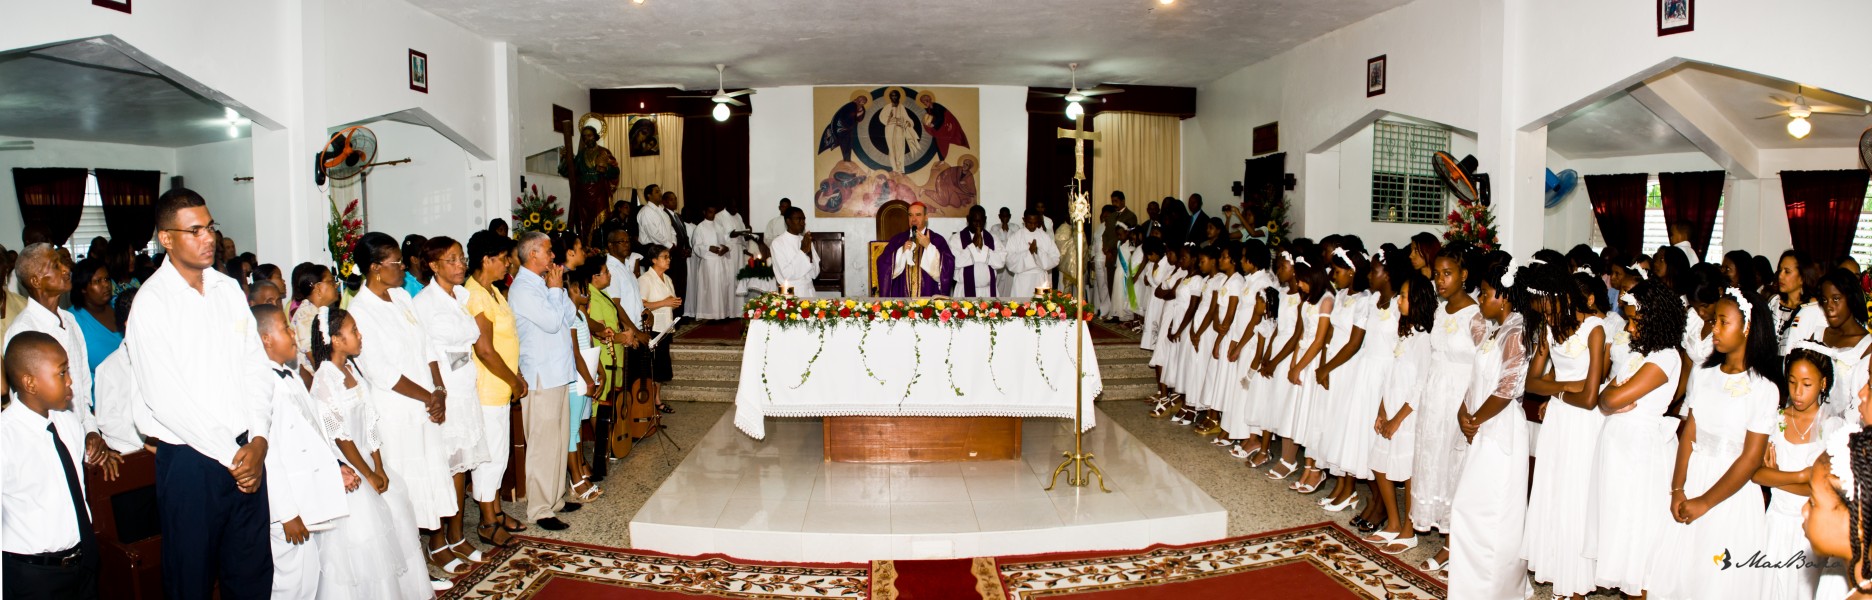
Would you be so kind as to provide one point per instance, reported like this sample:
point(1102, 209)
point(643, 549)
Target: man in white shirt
point(45, 277)
point(795, 264)
point(655, 225)
point(980, 257)
point(622, 264)
point(777, 225)
point(543, 314)
point(1031, 255)
point(1001, 232)
point(45, 525)
point(195, 351)
point(714, 277)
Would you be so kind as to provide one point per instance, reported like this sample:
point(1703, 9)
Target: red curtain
point(1693, 199)
point(129, 204)
point(51, 200)
point(1618, 204)
point(1823, 210)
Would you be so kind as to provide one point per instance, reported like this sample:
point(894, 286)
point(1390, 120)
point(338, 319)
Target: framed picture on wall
point(1375, 76)
point(1675, 16)
point(418, 71)
point(117, 5)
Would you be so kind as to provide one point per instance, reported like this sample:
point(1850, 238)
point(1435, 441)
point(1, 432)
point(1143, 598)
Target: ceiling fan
point(1074, 95)
point(1798, 110)
point(722, 97)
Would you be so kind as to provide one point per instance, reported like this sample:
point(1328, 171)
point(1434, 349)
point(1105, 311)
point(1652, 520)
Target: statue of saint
point(595, 179)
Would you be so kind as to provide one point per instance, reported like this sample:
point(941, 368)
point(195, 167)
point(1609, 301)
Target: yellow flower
point(533, 218)
point(851, 304)
point(825, 304)
point(920, 303)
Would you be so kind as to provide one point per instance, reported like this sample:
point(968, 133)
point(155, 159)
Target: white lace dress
point(1324, 413)
point(1453, 341)
point(1402, 387)
point(452, 335)
point(1238, 404)
point(1629, 505)
point(375, 552)
point(1727, 408)
point(396, 347)
point(1556, 521)
point(1489, 509)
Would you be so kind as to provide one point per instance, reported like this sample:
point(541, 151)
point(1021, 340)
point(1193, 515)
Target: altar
point(940, 381)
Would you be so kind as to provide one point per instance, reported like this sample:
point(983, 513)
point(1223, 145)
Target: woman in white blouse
point(660, 299)
point(442, 308)
point(406, 388)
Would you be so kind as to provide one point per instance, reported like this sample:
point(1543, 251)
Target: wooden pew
point(128, 528)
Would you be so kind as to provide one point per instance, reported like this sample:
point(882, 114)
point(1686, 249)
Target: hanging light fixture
point(1074, 111)
point(1799, 127)
point(721, 112)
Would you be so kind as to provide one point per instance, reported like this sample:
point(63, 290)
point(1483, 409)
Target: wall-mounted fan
point(1865, 148)
point(1559, 185)
point(346, 155)
point(1461, 177)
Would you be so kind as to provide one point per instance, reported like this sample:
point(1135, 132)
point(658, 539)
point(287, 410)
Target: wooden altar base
point(921, 439)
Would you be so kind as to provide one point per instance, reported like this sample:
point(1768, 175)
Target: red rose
point(845, 313)
point(758, 313)
point(896, 314)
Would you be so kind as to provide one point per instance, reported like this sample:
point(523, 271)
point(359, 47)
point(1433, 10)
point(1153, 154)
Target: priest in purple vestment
point(917, 262)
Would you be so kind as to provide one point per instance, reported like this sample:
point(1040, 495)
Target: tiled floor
point(779, 500)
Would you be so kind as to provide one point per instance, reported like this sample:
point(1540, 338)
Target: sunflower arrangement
point(343, 231)
point(535, 213)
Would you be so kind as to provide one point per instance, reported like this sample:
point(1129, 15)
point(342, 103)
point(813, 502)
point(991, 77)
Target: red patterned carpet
point(1320, 561)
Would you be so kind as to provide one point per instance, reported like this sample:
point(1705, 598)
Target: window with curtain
point(1405, 188)
point(1657, 233)
point(91, 224)
point(1862, 236)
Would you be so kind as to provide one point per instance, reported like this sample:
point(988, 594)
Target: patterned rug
point(1316, 561)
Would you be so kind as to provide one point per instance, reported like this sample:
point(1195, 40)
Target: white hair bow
point(1507, 277)
point(324, 319)
point(1741, 302)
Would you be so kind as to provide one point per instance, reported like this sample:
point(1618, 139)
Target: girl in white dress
point(1156, 269)
point(1396, 426)
point(1316, 307)
point(1365, 395)
point(1799, 439)
point(1177, 312)
point(1489, 508)
point(1729, 411)
point(1244, 344)
point(1797, 314)
point(1844, 339)
point(1193, 295)
point(1168, 275)
point(442, 307)
point(1575, 348)
point(1627, 512)
point(1698, 340)
point(1337, 401)
point(1458, 330)
point(1267, 385)
point(406, 389)
point(374, 553)
point(1223, 299)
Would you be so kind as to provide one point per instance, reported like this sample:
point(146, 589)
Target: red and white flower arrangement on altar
point(790, 311)
point(342, 232)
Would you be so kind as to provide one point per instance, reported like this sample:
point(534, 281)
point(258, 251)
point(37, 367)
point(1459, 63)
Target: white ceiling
point(614, 43)
point(95, 93)
point(1622, 126)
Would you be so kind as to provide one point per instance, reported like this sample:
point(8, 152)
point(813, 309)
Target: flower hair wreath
point(1741, 302)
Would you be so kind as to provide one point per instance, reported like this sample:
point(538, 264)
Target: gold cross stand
point(1078, 459)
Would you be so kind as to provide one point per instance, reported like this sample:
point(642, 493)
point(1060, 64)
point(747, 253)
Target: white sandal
point(591, 492)
point(455, 567)
point(1291, 467)
point(1396, 546)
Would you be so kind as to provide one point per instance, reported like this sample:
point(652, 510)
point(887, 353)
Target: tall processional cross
point(1079, 136)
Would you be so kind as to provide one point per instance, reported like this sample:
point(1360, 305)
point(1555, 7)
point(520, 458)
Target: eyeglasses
point(200, 230)
point(453, 261)
point(392, 263)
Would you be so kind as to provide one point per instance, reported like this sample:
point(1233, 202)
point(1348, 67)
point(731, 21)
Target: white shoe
point(1349, 502)
point(1396, 547)
point(441, 585)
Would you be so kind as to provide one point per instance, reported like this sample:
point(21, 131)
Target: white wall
point(782, 136)
point(63, 153)
point(1350, 192)
point(431, 195)
point(540, 89)
point(210, 169)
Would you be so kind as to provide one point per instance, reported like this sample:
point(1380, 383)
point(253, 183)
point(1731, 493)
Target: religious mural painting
point(877, 144)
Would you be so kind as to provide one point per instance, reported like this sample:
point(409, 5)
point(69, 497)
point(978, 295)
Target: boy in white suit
point(305, 482)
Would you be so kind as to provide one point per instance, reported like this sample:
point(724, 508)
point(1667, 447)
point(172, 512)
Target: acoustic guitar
point(617, 395)
point(640, 416)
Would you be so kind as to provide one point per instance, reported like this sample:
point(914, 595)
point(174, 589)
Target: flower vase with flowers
point(535, 213)
point(342, 232)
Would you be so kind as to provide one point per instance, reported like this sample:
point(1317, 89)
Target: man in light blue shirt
point(544, 317)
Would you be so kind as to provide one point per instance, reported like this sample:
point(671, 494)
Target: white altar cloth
point(1029, 375)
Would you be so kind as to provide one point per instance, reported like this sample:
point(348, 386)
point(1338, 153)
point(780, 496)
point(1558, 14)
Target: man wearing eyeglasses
point(196, 352)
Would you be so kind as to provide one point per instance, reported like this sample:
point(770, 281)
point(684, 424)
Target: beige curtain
point(1136, 153)
point(664, 169)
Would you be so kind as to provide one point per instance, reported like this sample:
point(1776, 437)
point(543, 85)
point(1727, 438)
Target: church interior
point(881, 120)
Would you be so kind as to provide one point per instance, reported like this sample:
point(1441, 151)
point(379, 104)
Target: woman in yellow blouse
point(497, 358)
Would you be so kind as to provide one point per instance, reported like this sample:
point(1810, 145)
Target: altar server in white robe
point(795, 264)
point(1126, 260)
point(980, 257)
point(1031, 256)
point(1001, 231)
point(305, 489)
point(776, 226)
point(717, 256)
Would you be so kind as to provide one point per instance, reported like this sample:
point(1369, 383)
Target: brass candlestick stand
point(1081, 209)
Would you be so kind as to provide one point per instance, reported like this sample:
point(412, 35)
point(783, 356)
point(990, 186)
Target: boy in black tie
point(45, 526)
point(305, 482)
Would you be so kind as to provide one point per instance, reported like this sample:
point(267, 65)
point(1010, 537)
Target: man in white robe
point(900, 134)
point(1000, 232)
point(715, 269)
point(795, 264)
point(980, 257)
point(1031, 255)
point(777, 225)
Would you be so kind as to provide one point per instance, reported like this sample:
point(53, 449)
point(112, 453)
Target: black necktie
point(71, 485)
point(284, 374)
